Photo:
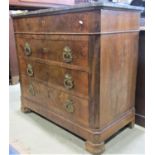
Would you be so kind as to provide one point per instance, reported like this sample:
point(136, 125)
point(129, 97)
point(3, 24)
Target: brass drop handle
point(69, 106)
point(67, 54)
point(31, 90)
point(68, 81)
point(27, 49)
point(29, 70)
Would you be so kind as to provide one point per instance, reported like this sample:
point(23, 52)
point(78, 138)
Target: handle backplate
point(68, 81)
point(69, 106)
point(67, 55)
point(27, 49)
point(31, 90)
point(29, 70)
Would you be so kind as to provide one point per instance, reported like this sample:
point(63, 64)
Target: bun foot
point(94, 148)
point(25, 110)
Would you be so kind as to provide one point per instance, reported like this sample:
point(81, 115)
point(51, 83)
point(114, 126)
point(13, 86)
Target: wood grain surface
point(104, 45)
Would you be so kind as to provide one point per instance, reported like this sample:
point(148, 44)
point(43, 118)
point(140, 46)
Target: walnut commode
point(78, 67)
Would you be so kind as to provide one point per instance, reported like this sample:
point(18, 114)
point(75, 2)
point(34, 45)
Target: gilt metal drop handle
point(31, 90)
point(27, 49)
point(69, 106)
point(68, 81)
point(67, 55)
point(29, 70)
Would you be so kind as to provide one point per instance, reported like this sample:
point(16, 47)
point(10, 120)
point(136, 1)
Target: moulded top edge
point(79, 7)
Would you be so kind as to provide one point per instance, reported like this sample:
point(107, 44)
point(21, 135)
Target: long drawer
point(53, 100)
point(69, 22)
point(68, 79)
point(72, 50)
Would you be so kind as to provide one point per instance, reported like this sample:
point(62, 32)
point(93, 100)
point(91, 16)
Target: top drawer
point(69, 22)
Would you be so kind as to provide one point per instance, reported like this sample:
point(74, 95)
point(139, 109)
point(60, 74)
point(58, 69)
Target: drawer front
point(53, 100)
point(69, 50)
point(70, 80)
point(69, 22)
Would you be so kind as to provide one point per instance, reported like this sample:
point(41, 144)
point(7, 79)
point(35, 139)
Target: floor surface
point(36, 135)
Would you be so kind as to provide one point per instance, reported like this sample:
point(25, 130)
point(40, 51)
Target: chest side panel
point(118, 74)
point(118, 67)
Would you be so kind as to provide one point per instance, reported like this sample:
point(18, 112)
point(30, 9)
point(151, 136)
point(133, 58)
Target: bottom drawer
point(71, 107)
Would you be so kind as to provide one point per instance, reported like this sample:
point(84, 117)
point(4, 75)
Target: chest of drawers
point(78, 67)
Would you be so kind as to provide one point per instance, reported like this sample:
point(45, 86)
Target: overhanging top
point(80, 7)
